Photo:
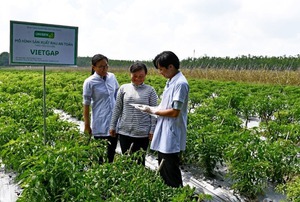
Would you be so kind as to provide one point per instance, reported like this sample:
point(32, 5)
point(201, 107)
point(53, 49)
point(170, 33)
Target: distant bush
point(4, 59)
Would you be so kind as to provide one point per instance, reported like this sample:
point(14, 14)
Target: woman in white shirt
point(99, 92)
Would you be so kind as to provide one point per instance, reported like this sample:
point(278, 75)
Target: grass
point(275, 77)
point(246, 76)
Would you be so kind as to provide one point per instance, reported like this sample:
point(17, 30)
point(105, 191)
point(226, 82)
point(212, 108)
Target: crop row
point(254, 157)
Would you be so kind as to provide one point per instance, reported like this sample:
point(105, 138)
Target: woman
point(99, 91)
point(134, 128)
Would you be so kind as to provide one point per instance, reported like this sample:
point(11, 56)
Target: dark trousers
point(170, 171)
point(111, 147)
point(138, 144)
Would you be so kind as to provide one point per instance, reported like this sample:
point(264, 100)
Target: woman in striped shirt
point(134, 128)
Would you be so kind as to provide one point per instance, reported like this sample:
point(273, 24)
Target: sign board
point(42, 44)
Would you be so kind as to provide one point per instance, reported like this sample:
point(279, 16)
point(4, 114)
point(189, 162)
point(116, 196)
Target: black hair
point(165, 59)
point(97, 58)
point(137, 66)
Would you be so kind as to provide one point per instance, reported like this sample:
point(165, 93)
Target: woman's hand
point(150, 136)
point(112, 133)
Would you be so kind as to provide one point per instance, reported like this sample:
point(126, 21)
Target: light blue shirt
point(101, 95)
point(170, 132)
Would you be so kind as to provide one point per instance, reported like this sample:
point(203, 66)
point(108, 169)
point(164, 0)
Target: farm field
point(56, 166)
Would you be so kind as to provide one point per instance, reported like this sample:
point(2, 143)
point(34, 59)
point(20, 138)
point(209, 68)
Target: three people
point(134, 128)
point(99, 92)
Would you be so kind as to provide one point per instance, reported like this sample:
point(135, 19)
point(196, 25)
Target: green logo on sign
point(42, 34)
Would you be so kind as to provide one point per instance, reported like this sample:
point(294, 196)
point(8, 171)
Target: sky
point(140, 29)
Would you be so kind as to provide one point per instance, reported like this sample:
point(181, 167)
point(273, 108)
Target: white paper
point(142, 107)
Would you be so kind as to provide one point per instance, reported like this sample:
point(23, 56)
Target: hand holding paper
point(145, 108)
point(149, 110)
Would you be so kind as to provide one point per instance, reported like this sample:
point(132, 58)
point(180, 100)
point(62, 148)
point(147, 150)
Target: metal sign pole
point(44, 103)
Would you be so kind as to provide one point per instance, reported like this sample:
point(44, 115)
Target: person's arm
point(176, 104)
point(152, 102)
point(117, 111)
point(112, 130)
point(172, 112)
point(168, 112)
point(87, 97)
point(86, 117)
point(162, 112)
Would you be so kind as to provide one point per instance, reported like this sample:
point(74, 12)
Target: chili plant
point(247, 164)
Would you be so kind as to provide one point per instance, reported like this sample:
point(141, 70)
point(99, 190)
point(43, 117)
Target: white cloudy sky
point(140, 29)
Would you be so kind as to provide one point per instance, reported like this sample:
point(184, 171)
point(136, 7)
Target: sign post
point(43, 44)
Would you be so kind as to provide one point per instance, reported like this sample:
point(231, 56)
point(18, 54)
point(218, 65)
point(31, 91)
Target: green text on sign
point(42, 34)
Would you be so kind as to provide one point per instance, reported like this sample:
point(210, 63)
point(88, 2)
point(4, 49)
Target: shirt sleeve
point(180, 93)
point(153, 102)
point(117, 87)
point(117, 109)
point(87, 93)
point(177, 105)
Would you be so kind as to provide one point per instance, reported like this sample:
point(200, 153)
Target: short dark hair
point(137, 66)
point(165, 59)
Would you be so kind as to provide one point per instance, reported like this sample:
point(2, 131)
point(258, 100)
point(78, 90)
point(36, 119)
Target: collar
point(138, 86)
point(174, 78)
point(102, 77)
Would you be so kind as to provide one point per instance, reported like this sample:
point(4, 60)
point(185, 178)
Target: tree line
point(244, 62)
point(237, 63)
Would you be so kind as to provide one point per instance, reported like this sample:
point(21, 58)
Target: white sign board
point(42, 44)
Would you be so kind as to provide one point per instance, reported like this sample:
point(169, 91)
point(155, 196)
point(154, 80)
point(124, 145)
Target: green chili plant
point(247, 164)
point(291, 189)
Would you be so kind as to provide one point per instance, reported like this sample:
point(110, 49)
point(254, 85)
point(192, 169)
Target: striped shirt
point(127, 120)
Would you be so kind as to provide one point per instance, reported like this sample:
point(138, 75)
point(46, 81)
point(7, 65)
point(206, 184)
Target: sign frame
point(43, 44)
